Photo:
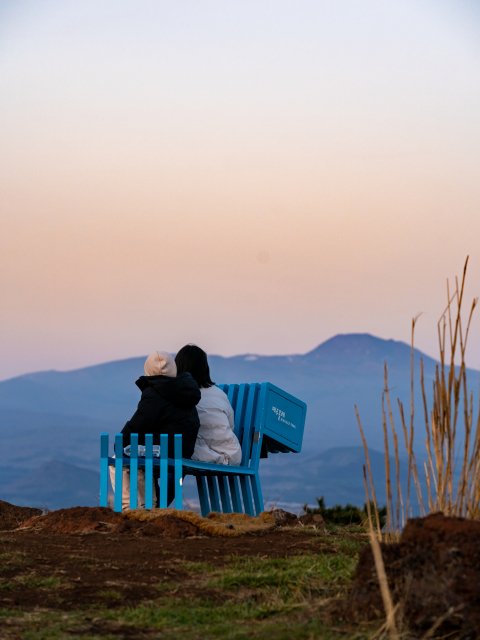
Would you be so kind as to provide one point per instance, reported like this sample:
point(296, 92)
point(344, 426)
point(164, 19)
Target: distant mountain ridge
point(55, 485)
point(53, 415)
point(362, 349)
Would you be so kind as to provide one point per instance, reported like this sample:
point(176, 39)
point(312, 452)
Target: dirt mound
point(433, 572)
point(287, 519)
point(12, 517)
point(104, 520)
point(284, 518)
point(314, 520)
point(76, 519)
point(169, 523)
point(168, 526)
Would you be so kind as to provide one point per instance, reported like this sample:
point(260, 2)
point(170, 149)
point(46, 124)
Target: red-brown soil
point(104, 520)
point(433, 571)
point(76, 519)
point(286, 519)
point(11, 516)
point(129, 564)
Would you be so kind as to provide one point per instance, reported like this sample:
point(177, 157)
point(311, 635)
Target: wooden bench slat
point(133, 469)
point(104, 470)
point(163, 480)
point(118, 471)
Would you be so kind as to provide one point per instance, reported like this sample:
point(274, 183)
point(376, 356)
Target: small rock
point(284, 518)
point(313, 520)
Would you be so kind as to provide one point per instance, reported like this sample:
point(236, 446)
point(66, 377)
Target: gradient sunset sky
point(252, 176)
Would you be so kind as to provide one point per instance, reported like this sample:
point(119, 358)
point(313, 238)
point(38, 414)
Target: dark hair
point(194, 360)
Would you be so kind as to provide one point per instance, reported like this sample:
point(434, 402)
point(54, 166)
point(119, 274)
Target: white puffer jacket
point(216, 441)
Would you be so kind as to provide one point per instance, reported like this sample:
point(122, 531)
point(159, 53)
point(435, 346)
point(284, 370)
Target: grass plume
point(451, 416)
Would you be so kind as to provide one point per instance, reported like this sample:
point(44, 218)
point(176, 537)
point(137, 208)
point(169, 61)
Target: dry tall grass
point(452, 410)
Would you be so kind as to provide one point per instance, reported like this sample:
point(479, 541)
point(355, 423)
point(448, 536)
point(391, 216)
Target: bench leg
point(213, 491)
point(203, 495)
point(133, 470)
point(118, 472)
point(104, 470)
point(163, 480)
point(148, 471)
point(177, 438)
point(257, 494)
point(133, 483)
point(235, 493)
point(224, 494)
point(247, 495)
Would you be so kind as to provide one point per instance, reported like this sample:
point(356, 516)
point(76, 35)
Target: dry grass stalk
point(390, 623)
point(390, 523)
point(451, 402)
point(374, 497)
point(395, 444)
point(451, 399)
point(440, 621)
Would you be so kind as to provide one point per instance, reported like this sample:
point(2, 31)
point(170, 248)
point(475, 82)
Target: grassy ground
point(235, 597)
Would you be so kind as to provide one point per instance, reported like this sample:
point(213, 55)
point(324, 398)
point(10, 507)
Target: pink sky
point(249, 176)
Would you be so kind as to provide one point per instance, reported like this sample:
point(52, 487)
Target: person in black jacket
point(168, 405)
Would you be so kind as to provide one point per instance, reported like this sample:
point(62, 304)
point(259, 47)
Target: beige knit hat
point(160, 363)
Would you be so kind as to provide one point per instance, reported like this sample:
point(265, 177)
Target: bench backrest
point(243, 398)
point(265, 410)
point(282, 417)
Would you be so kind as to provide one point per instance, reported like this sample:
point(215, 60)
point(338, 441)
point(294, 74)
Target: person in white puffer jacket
point(216, 441)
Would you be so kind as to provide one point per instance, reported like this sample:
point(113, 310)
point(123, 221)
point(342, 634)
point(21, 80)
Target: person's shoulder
point(215, 397)
point(214, 392)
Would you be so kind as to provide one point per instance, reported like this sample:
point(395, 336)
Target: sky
point(251, 176)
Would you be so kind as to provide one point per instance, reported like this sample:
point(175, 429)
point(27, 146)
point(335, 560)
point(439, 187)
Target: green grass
point(13, 559)
point(336, 540)
point(111, 594)
point(303, 572)
point(339, 529)
point(168, 586)
point(196, 567)
point(243, 597)
point(154, 622)
point(205, 616)
point(347, 515)
point(31, 582)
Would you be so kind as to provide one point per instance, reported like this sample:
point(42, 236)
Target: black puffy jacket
point(167, 406)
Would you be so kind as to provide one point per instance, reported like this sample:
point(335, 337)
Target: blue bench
point(263, 414)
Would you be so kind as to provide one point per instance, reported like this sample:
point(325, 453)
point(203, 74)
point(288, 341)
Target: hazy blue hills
point(54, 485)
point(53, 415)
point(336, 473)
